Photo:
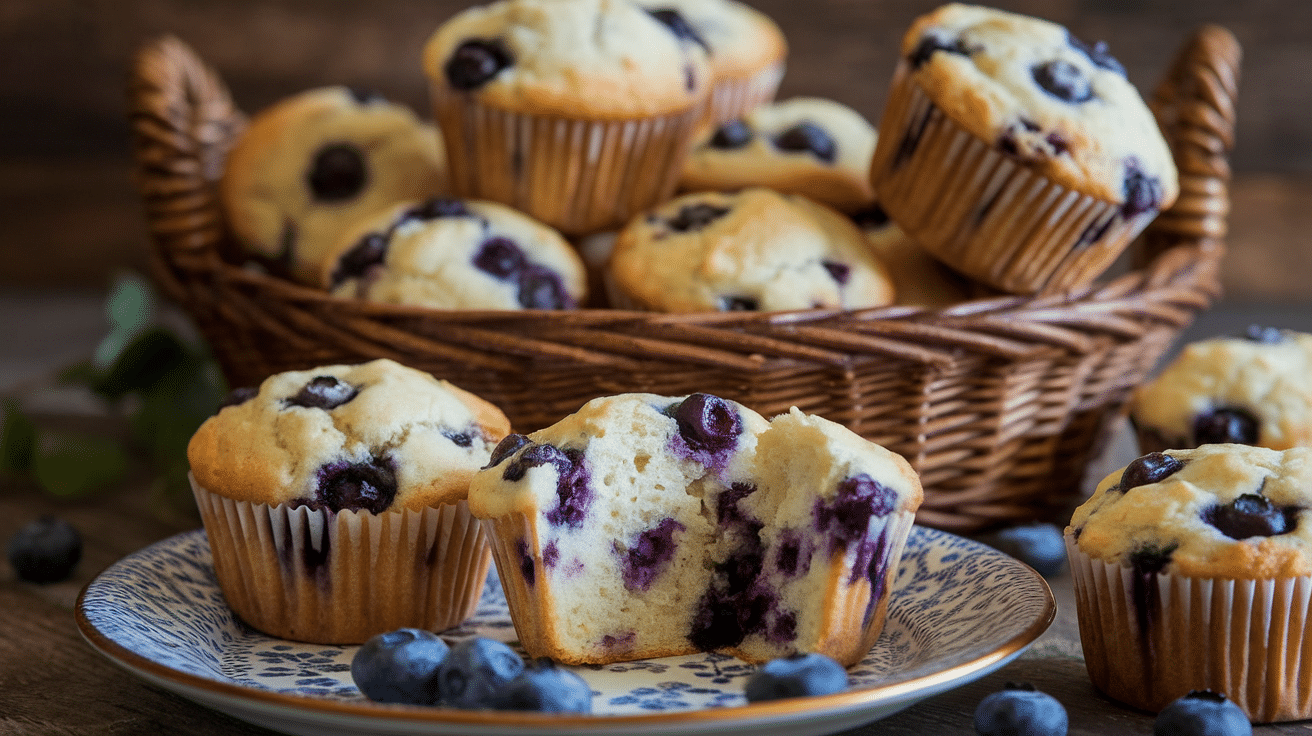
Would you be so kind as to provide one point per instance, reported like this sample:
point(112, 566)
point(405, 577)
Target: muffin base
point(1149, 639)
point(341, 577)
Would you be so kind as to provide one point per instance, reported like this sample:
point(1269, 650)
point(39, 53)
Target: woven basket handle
point(183, 123)
point(1195, 107)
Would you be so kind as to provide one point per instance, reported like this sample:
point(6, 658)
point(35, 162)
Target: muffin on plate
point(310, 165)
point(648, 526)
point(334, 500)
point(1193, 570)
point(1016, 153)
point(576, 112)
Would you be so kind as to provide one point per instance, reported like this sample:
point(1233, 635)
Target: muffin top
point(601, 59)
point(1045, 98)
point(742, 40)
point(310, 164)
point(1253, 390)
point(1218, 511)
point(456, 254)
point(375, 437)
point(804, 145)
point(753, 250)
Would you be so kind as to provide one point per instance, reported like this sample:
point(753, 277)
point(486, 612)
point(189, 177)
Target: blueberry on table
point(796, 676)
point(545, 688)
point(1039, 545)
point(400, 667)
point(1202, 713)
point(1020, 710)
point(476, 673)
point(45, 550)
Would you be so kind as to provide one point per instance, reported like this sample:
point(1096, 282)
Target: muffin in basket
point(1254, 389)
point(1193, 570)
point(751, 250)
point(1016, 153)
point(648, 526)
point(577, 112)
point(334, 500)
point(919, 279)
point(747, 51)
point(311, 164)
point(803, 145)
point(456, 254)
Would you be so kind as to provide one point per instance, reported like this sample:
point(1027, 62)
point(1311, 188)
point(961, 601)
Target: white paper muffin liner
point(982, 212)
point(341, 577)
point(579, 176)
point(1150, 639)
point(734, 97)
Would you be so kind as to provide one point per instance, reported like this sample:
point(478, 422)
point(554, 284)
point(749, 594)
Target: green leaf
point(150, 356)
point(130, 305)
point(17, 436)
point(70, 465)
point(173, 407)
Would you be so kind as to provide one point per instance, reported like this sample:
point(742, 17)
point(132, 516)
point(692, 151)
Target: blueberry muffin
point(919, 279)
point(335, 500)
point(804, 145)
point(747, 50)
point(648, 526)
point(456, 254)
point(1193, 570)
point(1254, 390)
point(1015, 152)
point(311, 164)
point(576, 112)
point(752, 250)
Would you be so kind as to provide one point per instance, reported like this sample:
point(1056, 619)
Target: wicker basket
point(998, 403)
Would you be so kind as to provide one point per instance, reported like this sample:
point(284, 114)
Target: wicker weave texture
point(998, 403)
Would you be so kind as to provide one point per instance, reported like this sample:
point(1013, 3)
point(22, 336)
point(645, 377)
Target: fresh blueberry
point(400, 667)
point(696, 216)
point(368, 486)
point(731, 135)
point(507, 447)
point(1063, 80)
point(1252, 515)
point(337, 173)
point(323, 392)
point(807, 137)
point(45, 550)
point(739, 304)
point(796, 676)
point(1202, 713)
point(1038, 545)
point(545, 688)
point(1226, 424)
point(1020, 710)
point(1264, 335)
point(239, 396)
point(475, 62)
point(679, 26)
point(1151, 468)
point(708, 423)
point(476, 671)
point(931, 44)
point(356, 262)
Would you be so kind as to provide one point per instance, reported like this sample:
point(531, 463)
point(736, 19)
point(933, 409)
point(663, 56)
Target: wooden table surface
point(52, 682)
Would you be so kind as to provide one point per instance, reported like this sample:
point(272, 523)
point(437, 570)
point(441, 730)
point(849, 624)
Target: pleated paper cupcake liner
point(984, 213)
point(734, 97)
point(1151, 638)
point(341, 577)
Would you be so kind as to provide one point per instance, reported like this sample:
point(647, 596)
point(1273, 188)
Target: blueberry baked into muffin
point(1254, 389)
point(456, 254)
point(803, 145)
point(647, 526)
point(310, 165)
point(1015, 152)
point(334, 500)
point(1192, 571)
point(751, 250)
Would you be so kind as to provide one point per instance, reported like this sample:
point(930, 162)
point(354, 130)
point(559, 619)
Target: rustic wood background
point(69, 215)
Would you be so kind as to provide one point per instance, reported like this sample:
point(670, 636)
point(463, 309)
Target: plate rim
point(837, 703)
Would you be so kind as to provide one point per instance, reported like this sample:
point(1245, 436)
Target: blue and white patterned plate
point(959, 611)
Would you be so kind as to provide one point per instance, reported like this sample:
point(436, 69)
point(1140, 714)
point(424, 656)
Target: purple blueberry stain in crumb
point(475, 62)
point(527, 568)
point(369, 252)
point(841, 273)
point(708, 427)
point(356, 486)
point(1142, 192)
point(693, 217)
point(679, 26)
point(573, 494)
point(793, 553)
point(933, 43)
point(877, 561)
point(807, 137)
point(1097, 53)
point(323, 392)
point(550, 554)
point(337, 172)
point(619, 642)
point(1264, 335)
point(847, 517)
point(505, 448)
point(739, 303)
point(783, 627)
point(727, 511)
point(1063, 80)
point(731, 135)
point(239, 396)
point(1252, 515)
point(1226, 425)
point(648, 556)
point(1153, 467)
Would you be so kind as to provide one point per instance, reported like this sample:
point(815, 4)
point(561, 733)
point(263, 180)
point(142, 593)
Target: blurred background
point(70, 216)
